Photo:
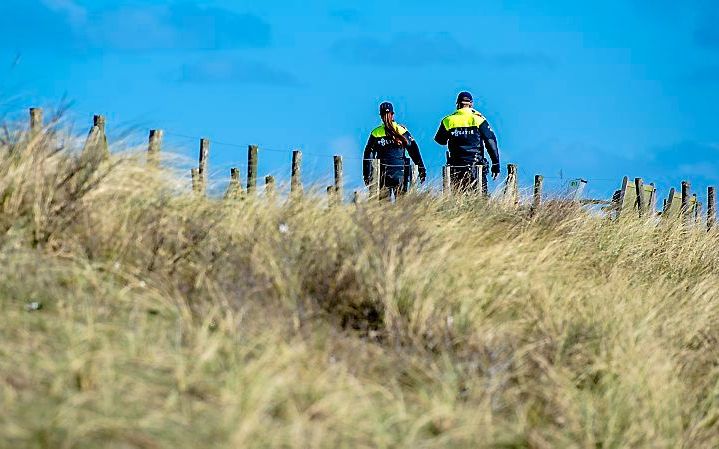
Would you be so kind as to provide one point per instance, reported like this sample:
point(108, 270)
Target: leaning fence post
point(251, 169)
point(538, 185)
point(446, 180)
point(668, 203)
point(202, 166)
point(374, 180)
point(622, 196)
point(686, 193)
point(195, 173)
point(154, 146)
point(639, 186)
point(339, 178)
point(35, 120)
point(296, 179)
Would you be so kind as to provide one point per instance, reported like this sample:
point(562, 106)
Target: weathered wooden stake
point(339, 188)
point(270, 187)
point(195, 173)
point(331, 198)
point(374, 180)
point(668, 204)
point(96, 143)
point(482, 173)
point(653, 201)
point(639, 186)
point(686, 195)
point(446, 180)
point(697, 210)
point(711, 208)
point(511, 190)
point(296, 179)
point(622, 195)
point(355, 197)
point(35, 120)
point(252, 169)
point(234, 189)
point(154, 146)
point(202, 166)
point(99, 121)
point(414, 177)
point(538, 186)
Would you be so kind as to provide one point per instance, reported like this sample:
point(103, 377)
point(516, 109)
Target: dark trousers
point(390, 185)
point(467, 179)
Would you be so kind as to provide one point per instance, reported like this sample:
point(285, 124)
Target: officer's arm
point(413, 150)
point(490, 142)
point(442, 136)
point(367, 160)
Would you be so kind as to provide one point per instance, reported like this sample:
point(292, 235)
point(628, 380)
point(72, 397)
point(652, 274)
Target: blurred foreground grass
point(170, 321)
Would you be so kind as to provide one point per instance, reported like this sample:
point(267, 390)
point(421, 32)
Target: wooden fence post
point(374, 180)
point(668, 203)
point(446, 180)
point(482, 173)
point(296, 179)
point(711, 208)
point(96, 143)
point(686, 194)
point(622, 194)
point(339, 179)
point(35, 121)
point(653, 201)
point(154, 146)
point(697, 210)
point(511, 190)
point(195, 173)
point(202, 166)
point(538, 186)
point(355, 197)
point(252, 169)
point(270, 187)
point(414, 177)
point(99, 121)
point(234, 189)
point(639, 185)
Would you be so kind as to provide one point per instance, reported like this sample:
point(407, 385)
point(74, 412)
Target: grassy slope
point(174, 322)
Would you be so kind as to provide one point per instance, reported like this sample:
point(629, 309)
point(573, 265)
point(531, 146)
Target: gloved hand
point(495, 171)
point(422, 174)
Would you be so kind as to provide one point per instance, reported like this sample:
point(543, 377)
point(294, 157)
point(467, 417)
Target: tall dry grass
point(171, 321)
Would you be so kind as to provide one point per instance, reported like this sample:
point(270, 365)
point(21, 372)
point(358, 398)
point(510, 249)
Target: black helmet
point(386, 107)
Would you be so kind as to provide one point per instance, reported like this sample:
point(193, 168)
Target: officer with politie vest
point(466, 133)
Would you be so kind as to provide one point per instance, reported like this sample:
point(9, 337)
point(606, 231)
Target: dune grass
point(172, 321)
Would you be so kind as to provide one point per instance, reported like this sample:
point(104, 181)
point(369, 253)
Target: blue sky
point(596, 90)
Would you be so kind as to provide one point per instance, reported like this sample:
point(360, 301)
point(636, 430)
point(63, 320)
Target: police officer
point(388, 143)
point(466, 133)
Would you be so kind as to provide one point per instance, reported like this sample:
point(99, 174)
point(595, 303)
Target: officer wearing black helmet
point(388, 143)
point(467, 133)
